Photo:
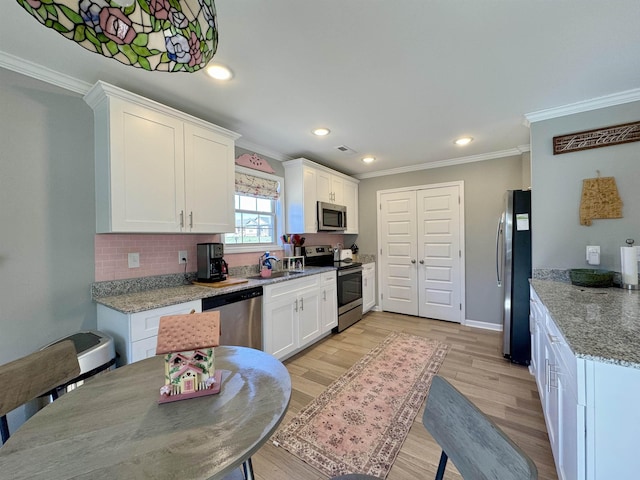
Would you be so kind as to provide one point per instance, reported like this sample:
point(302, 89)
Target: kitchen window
point(258, 212)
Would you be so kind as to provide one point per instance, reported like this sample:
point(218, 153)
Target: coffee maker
point(211, 265)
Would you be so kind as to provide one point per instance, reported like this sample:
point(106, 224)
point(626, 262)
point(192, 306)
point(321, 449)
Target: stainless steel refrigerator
point(513, 271)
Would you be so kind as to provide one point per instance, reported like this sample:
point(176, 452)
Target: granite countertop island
point(600, 324)
point(148, 299)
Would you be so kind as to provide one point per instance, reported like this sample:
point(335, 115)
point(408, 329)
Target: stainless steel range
point(349, 283)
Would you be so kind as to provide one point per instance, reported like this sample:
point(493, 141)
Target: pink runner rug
point(359, 423)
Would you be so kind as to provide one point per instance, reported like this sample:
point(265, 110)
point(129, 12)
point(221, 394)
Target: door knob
point(413, 261)
point(421, 262)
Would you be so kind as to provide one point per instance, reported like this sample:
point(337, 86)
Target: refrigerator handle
point(498, 234)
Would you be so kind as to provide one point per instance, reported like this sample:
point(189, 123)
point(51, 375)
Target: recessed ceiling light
point(321, 132)
point(369, 159)
point(219, 72)
point(463, 141)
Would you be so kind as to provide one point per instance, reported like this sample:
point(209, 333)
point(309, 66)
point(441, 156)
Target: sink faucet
point(266, 257)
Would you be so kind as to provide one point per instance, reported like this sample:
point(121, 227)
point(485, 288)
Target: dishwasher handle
point(216, 301)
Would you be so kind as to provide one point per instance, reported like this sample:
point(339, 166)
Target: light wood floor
point(474, 365)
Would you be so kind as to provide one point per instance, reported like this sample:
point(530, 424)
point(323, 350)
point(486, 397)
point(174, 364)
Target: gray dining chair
point(476, 445)
point(478, 448)
point(34, 375)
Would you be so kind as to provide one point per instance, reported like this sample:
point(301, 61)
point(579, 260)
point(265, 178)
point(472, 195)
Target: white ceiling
point(399, 79)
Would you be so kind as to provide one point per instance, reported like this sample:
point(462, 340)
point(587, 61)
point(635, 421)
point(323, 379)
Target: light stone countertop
point(163, 297)
point(600, 324)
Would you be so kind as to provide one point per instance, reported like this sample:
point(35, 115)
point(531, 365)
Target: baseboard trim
point(484, 325)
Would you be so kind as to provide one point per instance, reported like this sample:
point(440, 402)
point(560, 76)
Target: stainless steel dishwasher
point(240, 317)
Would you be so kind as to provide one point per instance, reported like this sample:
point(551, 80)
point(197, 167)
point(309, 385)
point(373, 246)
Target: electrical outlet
point(593, 255)
point(182, 256)
point(134, 260)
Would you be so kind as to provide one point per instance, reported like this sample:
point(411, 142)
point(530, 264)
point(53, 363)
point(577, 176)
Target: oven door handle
point(349, 271)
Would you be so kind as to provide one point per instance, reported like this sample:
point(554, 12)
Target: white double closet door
point(421, 255)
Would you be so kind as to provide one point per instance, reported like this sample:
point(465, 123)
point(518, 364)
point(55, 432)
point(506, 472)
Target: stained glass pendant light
point(156, 35)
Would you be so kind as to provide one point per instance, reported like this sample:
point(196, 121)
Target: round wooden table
point(113, 427)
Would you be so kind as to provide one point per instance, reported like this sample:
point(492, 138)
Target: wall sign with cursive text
point(600, 137)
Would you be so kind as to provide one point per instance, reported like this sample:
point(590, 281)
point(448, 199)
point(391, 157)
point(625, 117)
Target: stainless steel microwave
point(331, 217)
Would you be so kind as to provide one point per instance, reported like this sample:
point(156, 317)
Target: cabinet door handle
point(302, 304)
point(552, 370)
point(190, 219)
point(421, 262)
point(181, 218)
point(324, 295)
point(296, 309)
point(547, 374)
point(413, 261)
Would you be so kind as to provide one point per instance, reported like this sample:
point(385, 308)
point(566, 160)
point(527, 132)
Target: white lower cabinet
point(590, 407)
point(308, 317)
point(135, 334)
point(296, 313)
point(328, 302)
point(280, 325)
point(368, 286)
point(556, 370)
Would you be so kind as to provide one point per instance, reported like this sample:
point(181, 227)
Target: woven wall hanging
point(600, 199)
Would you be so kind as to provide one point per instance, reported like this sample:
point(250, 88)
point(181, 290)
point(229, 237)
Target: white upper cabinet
point(306, 184)
point(159, 170)
point(330, 187)
point(350, 200)
point(209, 181)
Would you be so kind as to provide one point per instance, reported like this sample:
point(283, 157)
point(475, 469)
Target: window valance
point(257, 186)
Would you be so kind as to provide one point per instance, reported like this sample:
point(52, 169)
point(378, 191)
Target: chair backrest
point(478, 447)
point(36, 374)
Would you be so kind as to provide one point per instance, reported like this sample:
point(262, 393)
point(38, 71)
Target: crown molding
point(39, 72)
point(33, 70)
point(585, 106)
point(512, 152)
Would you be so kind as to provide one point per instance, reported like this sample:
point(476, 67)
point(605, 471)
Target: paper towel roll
point(629, 262)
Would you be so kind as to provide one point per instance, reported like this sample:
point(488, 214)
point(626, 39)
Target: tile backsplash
point(159, 253)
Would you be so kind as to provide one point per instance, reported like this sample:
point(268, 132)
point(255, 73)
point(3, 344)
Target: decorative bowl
point(591, 277)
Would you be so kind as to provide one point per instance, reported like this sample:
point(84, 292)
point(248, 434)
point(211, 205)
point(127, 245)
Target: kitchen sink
point(278, 274)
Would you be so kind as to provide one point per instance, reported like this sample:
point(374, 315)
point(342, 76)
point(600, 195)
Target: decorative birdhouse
point(187, 343)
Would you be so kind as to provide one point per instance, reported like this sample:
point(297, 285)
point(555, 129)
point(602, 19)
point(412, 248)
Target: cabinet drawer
point(328, 278)
point(143, 349)
point(369, 267)
point(145, 324)
point(537, 308)
point(277, 290)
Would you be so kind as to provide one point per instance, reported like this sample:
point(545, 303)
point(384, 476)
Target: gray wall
point(559, 241)
point(47, 216)
point(484, 186)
